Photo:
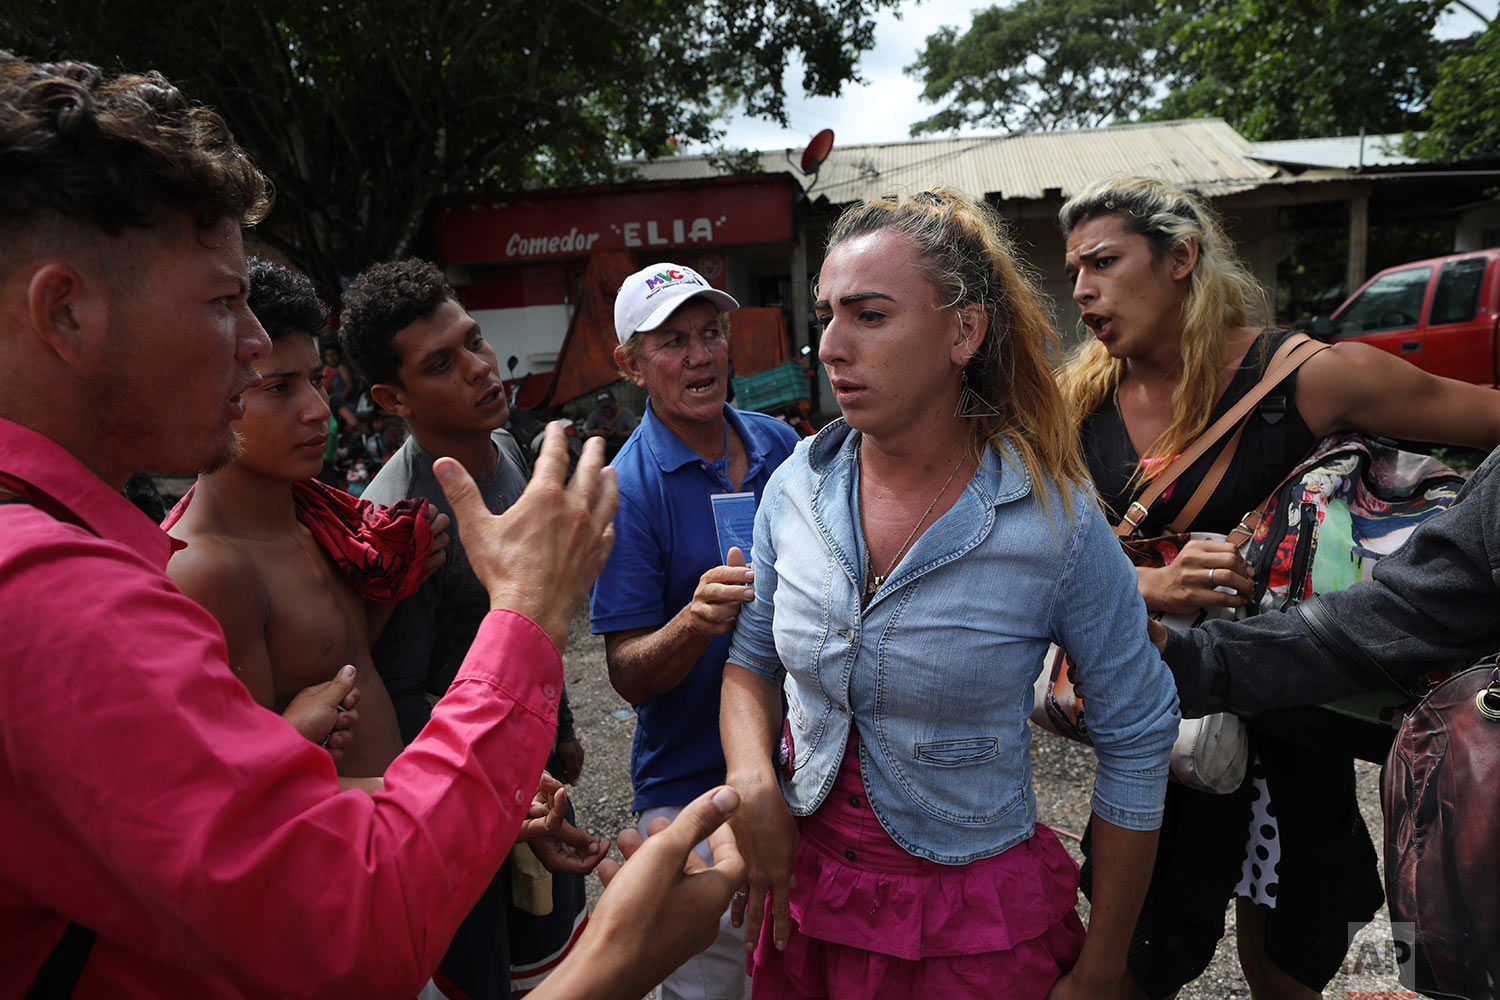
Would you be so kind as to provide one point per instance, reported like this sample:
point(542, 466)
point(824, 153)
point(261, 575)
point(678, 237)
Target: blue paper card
point(734, 519)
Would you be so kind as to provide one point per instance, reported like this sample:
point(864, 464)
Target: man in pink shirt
point(164, 835)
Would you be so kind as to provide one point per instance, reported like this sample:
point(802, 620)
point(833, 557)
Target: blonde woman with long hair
point(911, 564)
point(1179, 333)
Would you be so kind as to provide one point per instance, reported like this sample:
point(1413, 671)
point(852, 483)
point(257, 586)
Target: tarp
point(758, 339)
point(587, 358)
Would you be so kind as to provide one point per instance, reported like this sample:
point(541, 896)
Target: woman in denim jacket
point(911, 564)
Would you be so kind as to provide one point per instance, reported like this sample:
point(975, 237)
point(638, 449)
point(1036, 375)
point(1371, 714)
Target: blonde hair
point(1221, 294)
point(971, 262)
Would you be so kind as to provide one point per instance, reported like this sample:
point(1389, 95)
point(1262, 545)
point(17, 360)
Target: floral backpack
point(1352, 500)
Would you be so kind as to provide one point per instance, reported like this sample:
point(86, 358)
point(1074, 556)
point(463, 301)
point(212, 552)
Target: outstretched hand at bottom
point(660, 908)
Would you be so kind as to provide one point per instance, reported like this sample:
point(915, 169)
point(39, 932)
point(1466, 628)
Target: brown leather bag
point(1442, 816)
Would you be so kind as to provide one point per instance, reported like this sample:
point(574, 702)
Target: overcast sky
point(883, 108)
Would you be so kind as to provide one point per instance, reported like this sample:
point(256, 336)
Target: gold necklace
point(872, 581)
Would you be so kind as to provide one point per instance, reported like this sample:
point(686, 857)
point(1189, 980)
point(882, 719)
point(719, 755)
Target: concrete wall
point(530, 334)
point(1472, 227)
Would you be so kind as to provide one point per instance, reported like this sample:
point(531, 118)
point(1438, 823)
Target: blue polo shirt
point(664, 542)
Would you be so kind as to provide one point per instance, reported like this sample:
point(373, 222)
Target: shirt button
point(519, 797)
point(854, 801)
point(849, 855)
point(549, 690)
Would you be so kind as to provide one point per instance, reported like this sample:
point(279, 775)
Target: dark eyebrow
point(1097, 250)
point(268, 376)
point(851, 299)
point(438, 352)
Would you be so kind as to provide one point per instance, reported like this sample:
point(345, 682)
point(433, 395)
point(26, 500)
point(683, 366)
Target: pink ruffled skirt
point(869, 919)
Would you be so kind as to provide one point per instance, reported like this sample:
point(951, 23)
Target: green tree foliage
point(1289, 69)
point(1041, 64)
point(1276, 69)
point(1465, 115)
point(365, 112)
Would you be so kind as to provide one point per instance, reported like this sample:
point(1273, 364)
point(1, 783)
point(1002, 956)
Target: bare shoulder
point(1343, 359)
point(1332, 383)
point(216, 572)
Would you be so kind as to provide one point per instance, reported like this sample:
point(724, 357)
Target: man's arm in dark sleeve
point(1433, 602)
point(403, 655)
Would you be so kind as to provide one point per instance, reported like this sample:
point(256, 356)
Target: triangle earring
point(971, 405)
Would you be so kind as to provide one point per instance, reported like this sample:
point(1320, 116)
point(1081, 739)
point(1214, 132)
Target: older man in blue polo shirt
point(690, 478)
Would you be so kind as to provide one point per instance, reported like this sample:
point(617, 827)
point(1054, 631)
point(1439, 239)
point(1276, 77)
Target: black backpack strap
point(59, 974)
point(1332, 634)
point(1273, 411)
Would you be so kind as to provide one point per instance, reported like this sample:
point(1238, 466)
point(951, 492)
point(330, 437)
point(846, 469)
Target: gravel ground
point(605, 725)
point(1062, 773)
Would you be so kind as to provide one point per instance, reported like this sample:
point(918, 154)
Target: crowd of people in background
point(361, 437)
point(314, 739)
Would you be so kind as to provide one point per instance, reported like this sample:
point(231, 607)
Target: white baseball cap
point(651, 294)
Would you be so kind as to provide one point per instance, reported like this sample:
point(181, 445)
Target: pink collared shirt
point(144, 794)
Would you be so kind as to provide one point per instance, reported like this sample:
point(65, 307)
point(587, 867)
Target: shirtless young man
point(291, 618)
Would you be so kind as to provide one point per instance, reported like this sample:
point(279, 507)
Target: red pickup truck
point(1442, 315)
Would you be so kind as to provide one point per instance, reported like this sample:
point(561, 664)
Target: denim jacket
point(938, 671)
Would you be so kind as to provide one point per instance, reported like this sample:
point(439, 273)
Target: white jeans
point(717, 973)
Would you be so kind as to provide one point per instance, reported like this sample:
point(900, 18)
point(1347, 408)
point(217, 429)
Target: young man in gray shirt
point(428, 363)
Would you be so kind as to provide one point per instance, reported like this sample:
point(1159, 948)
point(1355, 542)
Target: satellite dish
point(817, 151)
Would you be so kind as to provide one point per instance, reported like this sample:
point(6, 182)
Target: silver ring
point(742, 894)
point(1211, 576)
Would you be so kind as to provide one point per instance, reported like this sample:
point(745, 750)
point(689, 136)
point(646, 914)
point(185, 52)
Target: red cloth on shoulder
point(381, 550)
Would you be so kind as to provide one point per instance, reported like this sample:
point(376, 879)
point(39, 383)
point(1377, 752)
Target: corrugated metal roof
point(1201, 153)
point(1337, 152)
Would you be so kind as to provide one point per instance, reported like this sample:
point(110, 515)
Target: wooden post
point(800, 304)
point(1359, 237)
